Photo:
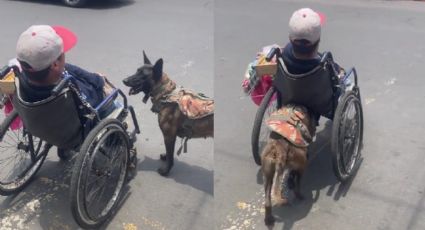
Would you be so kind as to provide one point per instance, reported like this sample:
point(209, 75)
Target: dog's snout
point(126, 81)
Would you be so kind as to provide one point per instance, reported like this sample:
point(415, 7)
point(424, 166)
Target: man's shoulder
point(84, 75)
point(72, 68)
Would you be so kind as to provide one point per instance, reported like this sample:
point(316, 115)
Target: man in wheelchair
point(41, 55)
point(302, 76)
point(41, 58)
point(301, 54)
point(64, 106)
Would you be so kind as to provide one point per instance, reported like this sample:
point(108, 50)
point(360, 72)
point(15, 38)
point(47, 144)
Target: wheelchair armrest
point(348, 73)
point(111, 97)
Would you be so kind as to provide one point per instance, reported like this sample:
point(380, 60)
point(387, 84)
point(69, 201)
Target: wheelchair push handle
point(3, 71)
point(6, 69)
point(61, 85)
point(327, 56)
point(273, 52)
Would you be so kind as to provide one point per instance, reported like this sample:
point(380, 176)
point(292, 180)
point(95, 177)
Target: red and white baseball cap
point(40, 45)
point(305, 24)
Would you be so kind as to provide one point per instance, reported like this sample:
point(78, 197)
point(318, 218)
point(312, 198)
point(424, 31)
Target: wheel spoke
point(16, 166)
point(90, 192)
point(347, 136)
point(351, 136)
point(101, 179)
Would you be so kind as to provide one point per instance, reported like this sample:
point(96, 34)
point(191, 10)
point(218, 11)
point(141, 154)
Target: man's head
point(40, 50)
point(304, 31)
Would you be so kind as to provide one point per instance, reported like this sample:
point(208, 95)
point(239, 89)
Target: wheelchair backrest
point(54, 119)
point(313, 90)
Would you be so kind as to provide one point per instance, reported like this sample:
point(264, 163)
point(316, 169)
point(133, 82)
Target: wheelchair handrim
point(350, 136)
point(81, 172)
point(28, 163)
point(120, 180)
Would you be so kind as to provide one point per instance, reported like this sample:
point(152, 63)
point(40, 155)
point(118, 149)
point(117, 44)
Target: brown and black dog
point(280, 154)
point(156, 85)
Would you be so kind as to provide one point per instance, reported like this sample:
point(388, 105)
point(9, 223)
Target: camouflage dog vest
point(193, 105)
point(292, 123)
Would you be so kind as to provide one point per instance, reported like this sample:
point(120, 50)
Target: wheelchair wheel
point(99, 174)
point(347, 136)
point(20, 156)
point(260, 131)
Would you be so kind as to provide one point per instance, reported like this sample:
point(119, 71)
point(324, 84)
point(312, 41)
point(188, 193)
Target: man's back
point(296, 65)
point(89, 84)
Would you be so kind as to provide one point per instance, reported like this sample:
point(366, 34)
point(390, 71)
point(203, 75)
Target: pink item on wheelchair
point(17, 123)
point(261, 89)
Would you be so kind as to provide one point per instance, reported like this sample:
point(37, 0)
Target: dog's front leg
point(169, 158)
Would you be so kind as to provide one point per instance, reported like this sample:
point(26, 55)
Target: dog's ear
point(157, 70)
point(146, 59)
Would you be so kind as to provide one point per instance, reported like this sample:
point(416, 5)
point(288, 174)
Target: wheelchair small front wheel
point(21, 156)
point(260, 131)
point(347, 136)
point(99, 174)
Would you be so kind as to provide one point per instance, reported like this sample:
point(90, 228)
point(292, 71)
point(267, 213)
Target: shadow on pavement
point(183, 173)
point(92, 4)
point(45, 201)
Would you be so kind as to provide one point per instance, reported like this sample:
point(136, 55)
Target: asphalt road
point(384, 41)
point(112, 35)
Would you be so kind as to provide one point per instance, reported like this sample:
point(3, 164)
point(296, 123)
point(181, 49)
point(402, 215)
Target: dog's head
point(145, 78)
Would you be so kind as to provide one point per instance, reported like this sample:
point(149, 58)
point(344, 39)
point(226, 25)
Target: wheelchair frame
point(98, 136)
point(344, 164)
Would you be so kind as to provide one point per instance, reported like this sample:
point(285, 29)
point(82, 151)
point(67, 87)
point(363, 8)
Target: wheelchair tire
point(260, 132)
point(347, 136)
point(17, 144)
point(104, 145)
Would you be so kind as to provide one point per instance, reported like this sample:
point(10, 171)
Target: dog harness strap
point(183, 146)
point(289, 123)
point(160, 88)
point(161, 92)
point(165, 88)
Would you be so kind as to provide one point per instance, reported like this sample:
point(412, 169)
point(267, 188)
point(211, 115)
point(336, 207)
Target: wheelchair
point(340, 103)
point(99, 135)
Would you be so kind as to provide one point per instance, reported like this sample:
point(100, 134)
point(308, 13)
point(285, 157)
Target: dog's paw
point(163, 157)
point(164, 170)
point(269, 220)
